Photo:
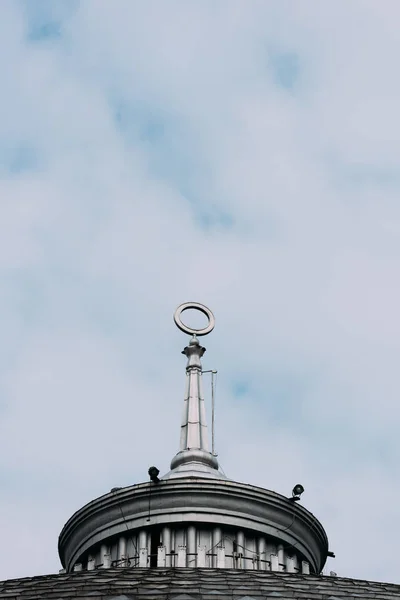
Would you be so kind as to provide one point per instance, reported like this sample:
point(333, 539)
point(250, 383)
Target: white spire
point(194, 458)
point(194, 433)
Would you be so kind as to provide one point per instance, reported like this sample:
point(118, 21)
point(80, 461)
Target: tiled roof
point(193, 584)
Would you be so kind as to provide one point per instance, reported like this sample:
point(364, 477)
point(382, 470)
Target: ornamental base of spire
point(194, 456)
point(194, 463)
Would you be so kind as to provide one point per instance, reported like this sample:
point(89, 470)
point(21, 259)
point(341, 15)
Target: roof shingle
point(193, 584)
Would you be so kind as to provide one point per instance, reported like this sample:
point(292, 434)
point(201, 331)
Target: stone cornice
point(188, 500)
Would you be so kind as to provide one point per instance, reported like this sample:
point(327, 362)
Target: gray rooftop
point(193, 584)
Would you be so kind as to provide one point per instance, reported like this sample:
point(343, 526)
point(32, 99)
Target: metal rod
point(213, 373)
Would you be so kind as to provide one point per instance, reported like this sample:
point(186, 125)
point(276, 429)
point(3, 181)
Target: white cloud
point(102, 236)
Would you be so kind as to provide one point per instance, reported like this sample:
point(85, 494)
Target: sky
point(244, 154)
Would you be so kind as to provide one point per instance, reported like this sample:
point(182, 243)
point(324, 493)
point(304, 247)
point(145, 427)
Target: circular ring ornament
point(196, 306)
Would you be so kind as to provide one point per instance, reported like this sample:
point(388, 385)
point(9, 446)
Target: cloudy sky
point(240, 153)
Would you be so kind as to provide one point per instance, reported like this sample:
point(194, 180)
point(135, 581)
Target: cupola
point(194, 516)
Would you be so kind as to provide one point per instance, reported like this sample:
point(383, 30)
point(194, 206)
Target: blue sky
point(243, 154)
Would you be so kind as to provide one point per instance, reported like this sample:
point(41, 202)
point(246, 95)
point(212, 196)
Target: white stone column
point(191, 546)
point(166, 540)
point(262, 565)
point(122, 562)
point(240, 550)
point(216, 541)
point(281, 557)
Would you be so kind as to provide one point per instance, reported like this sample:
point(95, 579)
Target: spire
point(194, 457)
point(194, 433)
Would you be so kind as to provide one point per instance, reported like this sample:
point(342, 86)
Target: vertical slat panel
point(90, 564)
point(143, 557)
point(106, 561)
point(161, 556)
point(274, 562)
point(305, 567)
point(181, 556)
point(132, 550)
point(296, 563)
point(148, 545)
point(250, 552)
point(201, 556)
point(103, 552)
point(289, 564)
point(114, 551)
point(220, 557)
point(174, 546)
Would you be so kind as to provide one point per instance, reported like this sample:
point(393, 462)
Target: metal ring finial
point(197, 306)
